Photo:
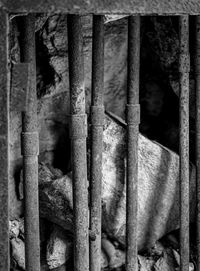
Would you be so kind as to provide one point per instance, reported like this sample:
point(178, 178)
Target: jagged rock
point(166, 262)
point(59, 247)
point(145, 264)
point(14, 228)
point(56, 200)
point(18, 251)
point(163, 262)
point(158, 189)
point(157, 250)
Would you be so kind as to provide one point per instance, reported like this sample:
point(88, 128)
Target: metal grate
point(87, 243)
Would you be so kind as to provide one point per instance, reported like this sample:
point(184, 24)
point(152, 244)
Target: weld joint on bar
point(78, 126)
point(184, 63)
point(133, 114)
point(30, 143)
point(97, 115)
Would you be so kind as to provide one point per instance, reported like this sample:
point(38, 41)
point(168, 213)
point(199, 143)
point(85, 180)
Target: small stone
point(59, 247)
point(145, 264)
point(14, 228)
point(166, 262)
point(104, 260)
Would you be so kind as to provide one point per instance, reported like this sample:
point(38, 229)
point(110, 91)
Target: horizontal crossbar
point(143, 7)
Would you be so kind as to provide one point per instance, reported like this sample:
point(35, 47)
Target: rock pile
point(158, 200)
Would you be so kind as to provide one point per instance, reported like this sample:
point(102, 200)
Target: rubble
point(59, 253)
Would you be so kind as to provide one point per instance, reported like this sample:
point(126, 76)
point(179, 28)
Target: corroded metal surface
point(97, 118)
point(197, 80)
point(4, 144)
point(104, 6)
point(19, 87)
point(132, 118)
point(184, 68)
point(78, 143)
point(30, 149)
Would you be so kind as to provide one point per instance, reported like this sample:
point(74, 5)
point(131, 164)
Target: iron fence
point(87, 249)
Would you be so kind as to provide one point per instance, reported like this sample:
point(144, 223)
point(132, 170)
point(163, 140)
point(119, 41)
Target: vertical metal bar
point(4, 144)
point(184, 68)
point(197, 86)
point(133, 118)
point(30, 149)
point(97, 118)
point(78, 143)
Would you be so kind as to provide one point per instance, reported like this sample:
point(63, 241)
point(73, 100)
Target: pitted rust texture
point(97, 115)
point(30, 143)
point(132, 117)
point(133, 60)
point(76, 71)
point(184, 63)
point(78, 126)
point(78, 143)
point(184, 141)
point(97, 120)
point(4, 144)
point(30, 151)
point(19, 86)
point(175, 7)
point(197, 86)
point(133, 114)
point(32, 248)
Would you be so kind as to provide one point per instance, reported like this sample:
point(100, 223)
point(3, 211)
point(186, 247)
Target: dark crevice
point(45, 72)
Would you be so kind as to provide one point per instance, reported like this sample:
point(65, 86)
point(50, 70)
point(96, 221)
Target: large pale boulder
point(158, 189)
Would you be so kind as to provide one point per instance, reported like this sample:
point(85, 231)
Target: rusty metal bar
point(97, 118)
point(197, 85)
point(133, 119)
point(184, 68)
point(4, 144)
point(30, 149)
point(78, 143)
